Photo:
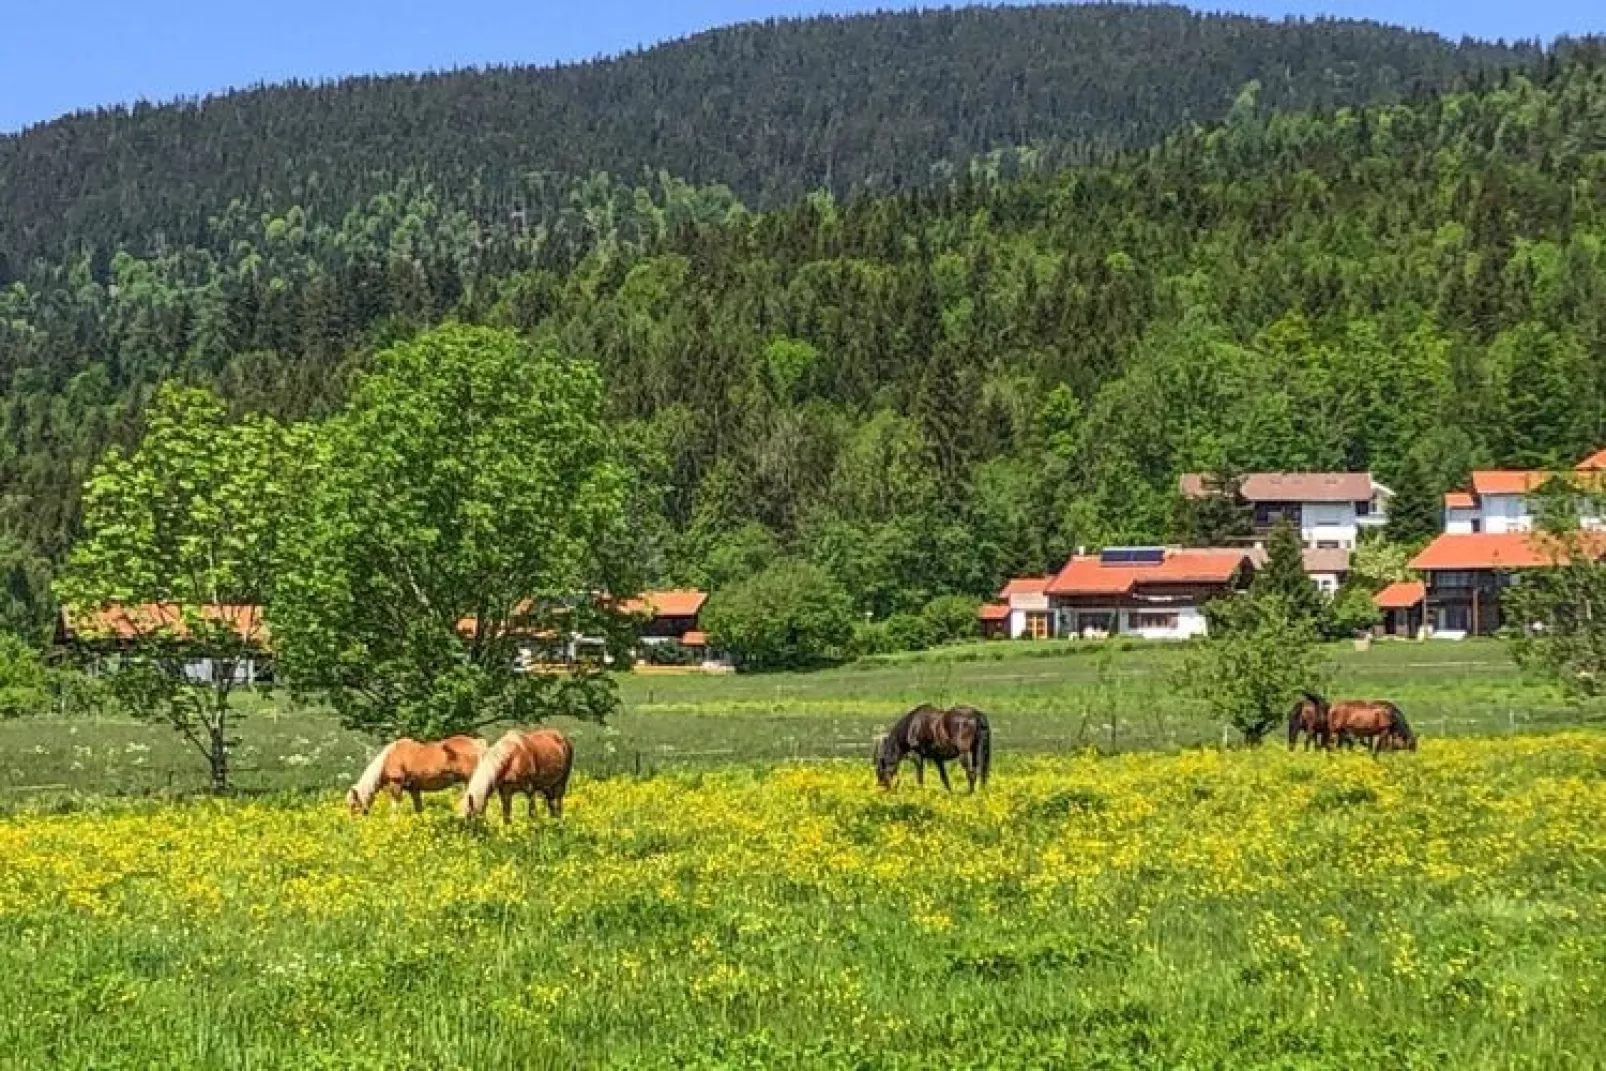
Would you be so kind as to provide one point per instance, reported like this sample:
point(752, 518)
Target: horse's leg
point(507, 804)
point(530, 796)
point(418, 800)
point(942, 771)
point(967, 760)
point(394, 791)
point(920, 769)
point(554, 803)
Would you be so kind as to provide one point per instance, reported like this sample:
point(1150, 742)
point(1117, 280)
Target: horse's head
point(355, 804)
point(886, 761)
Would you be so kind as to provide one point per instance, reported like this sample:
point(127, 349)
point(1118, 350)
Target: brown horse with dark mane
point(1376, 721)
point(1306, 720)
point(925, 732)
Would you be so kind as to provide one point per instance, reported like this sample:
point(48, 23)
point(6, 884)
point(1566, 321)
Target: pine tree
point(1415, 514)
point(1283, 577)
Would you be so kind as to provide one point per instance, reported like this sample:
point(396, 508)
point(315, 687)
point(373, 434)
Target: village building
point(1507, 500)
point(1403, 606)
point(108, 634)
point(1330, 510)
point(1028, 614)
point(1156, 593)
point(1466, 575)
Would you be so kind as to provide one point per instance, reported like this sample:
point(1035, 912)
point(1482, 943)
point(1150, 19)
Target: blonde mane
point(367, 786)
point(486, 773)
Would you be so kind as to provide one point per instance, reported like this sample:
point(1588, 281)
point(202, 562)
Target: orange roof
point(694, 639)
point(1091, 576)
point(1492, 550)
point(1593, 463)
point(151, 618)
point(994, 611)
point(680, 603)
point(1025, 585)
point(1508, 481)
point(1401, 596)
point(1460, 500)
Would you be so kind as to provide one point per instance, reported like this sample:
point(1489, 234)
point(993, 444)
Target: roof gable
point(1495, 550)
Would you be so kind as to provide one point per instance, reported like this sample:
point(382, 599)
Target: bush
point(1353, 612)
point(909, 632)
point(668, 653)
point(951, 618)
point(790, 616)
point(1250, 673)
point(23, 679)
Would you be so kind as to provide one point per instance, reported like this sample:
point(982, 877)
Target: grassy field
point(1044, 698)
point(1205, 908)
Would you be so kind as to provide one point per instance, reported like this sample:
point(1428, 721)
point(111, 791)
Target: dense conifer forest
point(921, 391)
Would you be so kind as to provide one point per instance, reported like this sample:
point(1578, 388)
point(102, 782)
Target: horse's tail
point(487, 773)
point(984, 748)
point(367, 785)
point(1296, 722)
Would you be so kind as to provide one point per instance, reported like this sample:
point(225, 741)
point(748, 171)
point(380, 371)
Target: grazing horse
point(527, 761)
point(1376, 721)
point(1306, 718)
point(407, 766)
point(925, 732)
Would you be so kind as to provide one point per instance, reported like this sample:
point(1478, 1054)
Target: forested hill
point(929, 391)
point(772, 110)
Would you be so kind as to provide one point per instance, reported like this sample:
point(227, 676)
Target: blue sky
point(60, 55)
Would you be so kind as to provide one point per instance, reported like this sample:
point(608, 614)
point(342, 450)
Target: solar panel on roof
point(1132, 556)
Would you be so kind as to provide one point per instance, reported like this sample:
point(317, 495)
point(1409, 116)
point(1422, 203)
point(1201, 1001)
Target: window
point(1329, 544)
point(1363, 509)
point(1155, 622)
point(1477, 524)
point(1037, 626)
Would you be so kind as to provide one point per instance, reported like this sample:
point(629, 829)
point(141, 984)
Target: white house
point(1156, 593)
point(1503, 501)
point(1330, 509)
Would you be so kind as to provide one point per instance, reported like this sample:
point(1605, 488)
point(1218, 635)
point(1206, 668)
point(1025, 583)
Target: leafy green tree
point(1250, 674)
point(951, 618)
point(23, 678)
point(189, 523)
point(1217, 518)
point(469, 504)
point(1377, 563)
point(793, 615)
point(1283, 577)
point(1353, 612)
point(1416, 513)
point(1556, 616)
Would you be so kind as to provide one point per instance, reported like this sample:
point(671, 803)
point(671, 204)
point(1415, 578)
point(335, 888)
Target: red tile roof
point(1508, 481)
point(694, 639)
point(1293, 486)
point(1492, 550)
point(1025, 585)
point(994, 611)
point(1460, 500)
point(1090, 576)
point(150, 619)
point(1593, 463)
point(684, 603)
point(1401, 596)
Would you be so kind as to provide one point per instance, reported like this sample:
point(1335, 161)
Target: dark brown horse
point(1306, 719)
point(1376, 721)
point(925, 732)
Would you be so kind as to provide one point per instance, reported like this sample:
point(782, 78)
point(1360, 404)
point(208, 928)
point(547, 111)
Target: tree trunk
point(218, 744)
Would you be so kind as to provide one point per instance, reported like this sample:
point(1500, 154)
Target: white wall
point(1328, 522)
point(1326, 582)
point(1020, 606)
point(1461, 521)
point(1190, 622)
point(1506, 513)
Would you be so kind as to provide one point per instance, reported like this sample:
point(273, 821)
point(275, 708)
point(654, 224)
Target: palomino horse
point(527, 761)
point(925, 732)
point(1376, 721)
point(414, 768)
point(1306, 719)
